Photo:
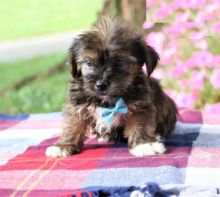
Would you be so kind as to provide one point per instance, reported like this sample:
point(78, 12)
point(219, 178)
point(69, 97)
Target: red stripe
point(34, 157)
point(40, 193)
point(94, 156)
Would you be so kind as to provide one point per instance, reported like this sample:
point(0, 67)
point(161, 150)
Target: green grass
point(214, 44)
point(22, 18)
point(43, 95)
point(14, 71)
point(47, 95)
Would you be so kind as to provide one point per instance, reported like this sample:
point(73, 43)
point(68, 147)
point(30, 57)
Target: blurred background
point(35, 36)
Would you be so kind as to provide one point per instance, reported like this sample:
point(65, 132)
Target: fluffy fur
point(112, 54)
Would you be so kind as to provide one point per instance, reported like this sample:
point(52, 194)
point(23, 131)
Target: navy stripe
point(194, 140)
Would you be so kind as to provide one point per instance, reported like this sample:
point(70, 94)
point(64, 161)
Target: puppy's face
point(109, 57)
point(108, 73)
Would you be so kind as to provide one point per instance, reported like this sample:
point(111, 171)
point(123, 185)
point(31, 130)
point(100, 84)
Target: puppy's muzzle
point(101, 85)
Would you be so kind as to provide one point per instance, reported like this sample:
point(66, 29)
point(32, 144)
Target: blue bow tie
point(108, 113)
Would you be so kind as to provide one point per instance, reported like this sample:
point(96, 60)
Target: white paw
point(147, 149)
point(55, 151)
point(158, 147)
point(103, 139)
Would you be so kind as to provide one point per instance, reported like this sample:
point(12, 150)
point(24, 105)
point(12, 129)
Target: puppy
point(111, 95)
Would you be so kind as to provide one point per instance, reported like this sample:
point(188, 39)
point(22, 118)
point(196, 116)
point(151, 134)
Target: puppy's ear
point(145, 54)
point(72, 58)
point(151, 59)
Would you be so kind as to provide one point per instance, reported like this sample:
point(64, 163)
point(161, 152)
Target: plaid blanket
point(190, 167)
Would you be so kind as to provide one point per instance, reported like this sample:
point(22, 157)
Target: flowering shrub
point(186, 35)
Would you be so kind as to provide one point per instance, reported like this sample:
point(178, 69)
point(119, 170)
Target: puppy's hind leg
point(73, 136)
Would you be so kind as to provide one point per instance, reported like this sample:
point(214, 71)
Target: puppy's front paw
point(147, 149)
point(62, 150)
point(56, 151)
point(158, 147)
point(104, 138)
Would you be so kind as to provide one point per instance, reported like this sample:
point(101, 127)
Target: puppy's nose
point(101, 85)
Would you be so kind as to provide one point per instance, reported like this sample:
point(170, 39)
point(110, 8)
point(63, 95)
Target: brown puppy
point(106, 66)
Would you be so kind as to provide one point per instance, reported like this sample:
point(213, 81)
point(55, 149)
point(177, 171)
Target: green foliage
point(14, 71)
point(43, 95)
point(22, 18)
point(214, 44)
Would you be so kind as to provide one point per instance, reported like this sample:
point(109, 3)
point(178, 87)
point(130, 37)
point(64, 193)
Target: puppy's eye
point(119, 63)
point(89, 63)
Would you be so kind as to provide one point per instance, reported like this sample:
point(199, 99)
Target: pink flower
point(183, 84)
point(178, 71)
point(156, 40)
point(212, 108)
point(201, 44)
point(216, 60)
point(185, 100)
point(169, 52)
point(209, 13)
point(190, 63)
point(203, 58)
point(152, 3)
point(148, 25)
point(212, 7)
point(215, 78)
point(165, 61)
point(163, 12)
point(171, 93)
point(194, 4)
point(158, 73)
point(166, 56)
point(197, 80)
point(192, 24)
point(182, 17)
point(196, 35)
point(175, 4)
point(174, 30)
point(216, 28)
point(203, 16)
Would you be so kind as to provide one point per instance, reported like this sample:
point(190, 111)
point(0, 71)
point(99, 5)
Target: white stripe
point(19, 140)
point(28, 133)
point(202, 176)
point(45, 116)
point(190, 190)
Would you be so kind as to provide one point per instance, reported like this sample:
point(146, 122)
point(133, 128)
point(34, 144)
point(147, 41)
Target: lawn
point(43, 95)
point(13, 72)
point(22, 18)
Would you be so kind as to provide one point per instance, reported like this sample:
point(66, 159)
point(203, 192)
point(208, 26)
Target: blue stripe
point(14, 117)
point(122, 177)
